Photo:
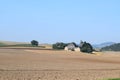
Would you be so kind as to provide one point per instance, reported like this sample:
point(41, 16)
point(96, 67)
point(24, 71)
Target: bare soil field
point(27, 64)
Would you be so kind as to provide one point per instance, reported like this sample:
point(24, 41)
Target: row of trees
point(59, 45)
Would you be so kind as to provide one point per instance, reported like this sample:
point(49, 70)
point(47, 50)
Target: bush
point(34, 43)
point(59, 45)
point(86, 47)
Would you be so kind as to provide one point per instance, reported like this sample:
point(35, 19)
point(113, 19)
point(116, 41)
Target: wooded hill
point(114, 47)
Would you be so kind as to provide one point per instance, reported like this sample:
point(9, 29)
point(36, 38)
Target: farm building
point(72, 47)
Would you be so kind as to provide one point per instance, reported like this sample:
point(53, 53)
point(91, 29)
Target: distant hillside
point(2, 44)
point(22, 44)
point(103, 44)
point(12, 43)
point(114, 47)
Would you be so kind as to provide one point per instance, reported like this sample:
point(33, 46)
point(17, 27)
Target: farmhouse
point(72, 47)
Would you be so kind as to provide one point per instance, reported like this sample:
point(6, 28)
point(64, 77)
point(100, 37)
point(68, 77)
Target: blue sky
point(50, 21)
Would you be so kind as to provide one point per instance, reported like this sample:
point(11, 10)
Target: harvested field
point(27, 64)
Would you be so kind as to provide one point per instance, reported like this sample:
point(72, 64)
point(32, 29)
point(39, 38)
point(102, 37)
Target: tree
point(34, 43)
point(86, 47)
point(59, 45)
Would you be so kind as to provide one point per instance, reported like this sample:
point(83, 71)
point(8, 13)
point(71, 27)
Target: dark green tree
point(34, 43)
point(86, 47)
point(59, 45)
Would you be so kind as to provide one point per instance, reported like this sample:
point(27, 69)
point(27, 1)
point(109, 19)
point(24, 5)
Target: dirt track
point(57, 65)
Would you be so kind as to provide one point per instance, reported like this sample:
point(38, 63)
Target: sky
point(50, 21)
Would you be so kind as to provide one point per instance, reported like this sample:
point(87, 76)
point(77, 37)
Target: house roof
point(71, 46)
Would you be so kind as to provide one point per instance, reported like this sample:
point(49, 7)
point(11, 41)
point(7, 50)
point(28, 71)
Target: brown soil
point(24, 64)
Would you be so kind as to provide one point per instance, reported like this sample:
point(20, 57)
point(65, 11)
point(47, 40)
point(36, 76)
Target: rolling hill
point(22, 44)
point(114, 47)
point(103, 44)
point(12, 42)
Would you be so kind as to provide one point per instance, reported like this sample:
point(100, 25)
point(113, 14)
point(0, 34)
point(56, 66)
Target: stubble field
point(27, 64)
